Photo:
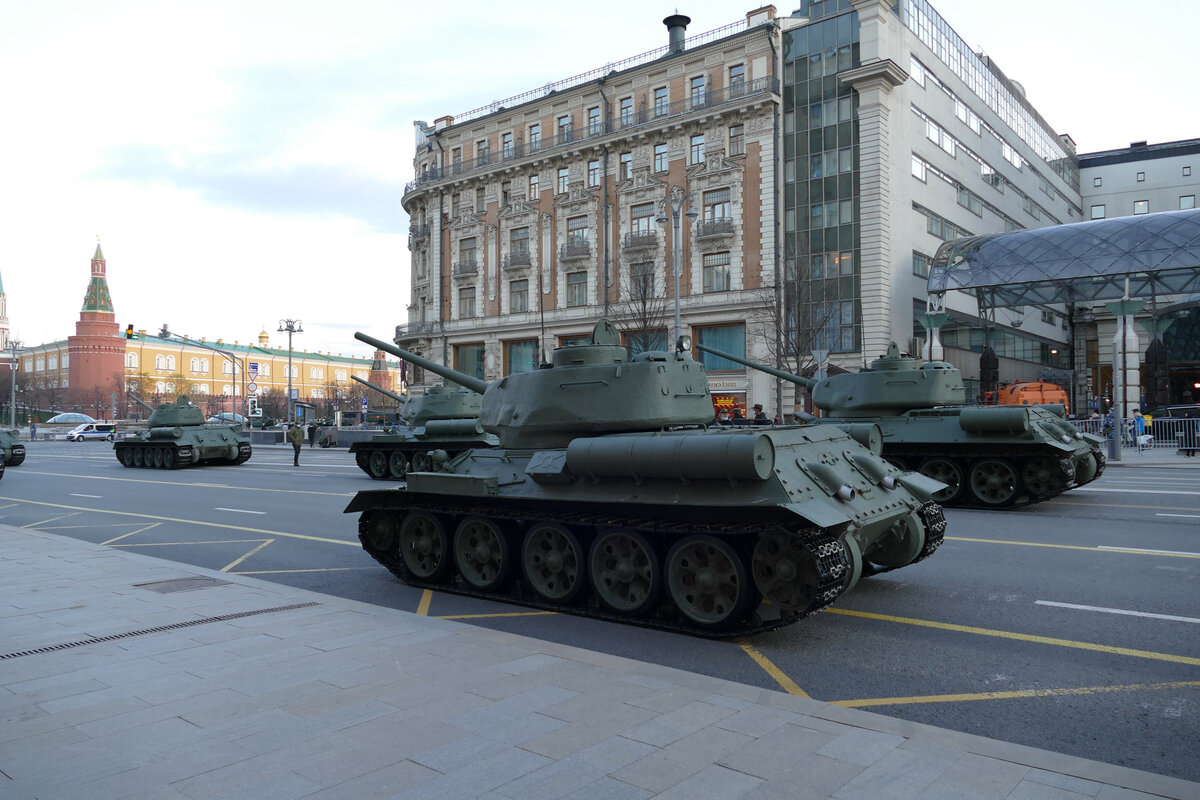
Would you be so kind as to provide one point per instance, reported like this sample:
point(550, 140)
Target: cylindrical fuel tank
point(993, 419)
point(166, 433)
point(454, 427)
point(717, 456)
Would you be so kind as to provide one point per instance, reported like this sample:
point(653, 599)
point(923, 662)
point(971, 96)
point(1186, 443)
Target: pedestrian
point(738, 416)
point(760, 417)
point(295, 435)
point(312, 434)
point(1139, 430)
point(32, 431)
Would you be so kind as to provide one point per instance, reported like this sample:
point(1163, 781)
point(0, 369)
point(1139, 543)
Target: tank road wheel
point(139, 456)
point(1043, 476)
point(363, 459)
point(708, 582)
point(481, 553)
point(553, 563)
point(126, 455)
point(421, 462)
point(787, 573)
point(168, 458)
point(397, 466)
point(625, 572)
point(901, 545)
point(379, 465)
point(994, 482)
point(424, 546)
point(157, 455)
point(949, 473)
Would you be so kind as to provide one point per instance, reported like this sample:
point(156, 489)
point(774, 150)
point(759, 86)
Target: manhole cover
point(181, 584)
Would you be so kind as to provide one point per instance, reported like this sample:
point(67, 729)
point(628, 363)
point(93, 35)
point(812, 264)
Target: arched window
point(171, 363)
point(131, 360)
point(227, 390)
point(160, 362)
point(204, 365)
point(170, 387)
point(227, 367)
point(160, 387)
point(194, 365)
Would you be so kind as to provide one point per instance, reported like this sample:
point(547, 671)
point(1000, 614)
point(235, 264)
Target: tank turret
point(607, 496)
point(989, 457)
point(586, 390)
point(438, 402)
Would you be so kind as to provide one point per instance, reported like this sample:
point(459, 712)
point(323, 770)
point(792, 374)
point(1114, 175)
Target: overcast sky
point(243, 162)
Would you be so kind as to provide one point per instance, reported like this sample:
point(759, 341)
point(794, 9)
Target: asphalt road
point(1070, 625)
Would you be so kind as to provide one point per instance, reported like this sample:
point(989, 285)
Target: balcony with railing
point(640, 241)
point(465, 268)
point(714, 228)
point(518, 259)
point(415, 330)
point(710, 99)
point(418, 234)
point(575, 250)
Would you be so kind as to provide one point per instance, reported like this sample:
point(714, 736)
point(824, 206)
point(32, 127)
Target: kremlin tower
point(97, 351)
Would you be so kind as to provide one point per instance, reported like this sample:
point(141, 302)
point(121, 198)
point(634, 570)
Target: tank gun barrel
point(807, 383)
point(141, 402)
point(474, 384)
point(380, 389)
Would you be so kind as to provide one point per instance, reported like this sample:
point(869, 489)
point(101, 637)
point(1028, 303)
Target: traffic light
point(252, 409)
point(129, 334)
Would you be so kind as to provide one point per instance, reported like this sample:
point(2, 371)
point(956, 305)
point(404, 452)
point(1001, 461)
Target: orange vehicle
point(1032, 393)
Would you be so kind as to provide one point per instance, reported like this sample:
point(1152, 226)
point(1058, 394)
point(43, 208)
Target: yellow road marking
point(1092, 548)
point(132, 533)
point(225, 486)
point(493, 615)
point(10, 505)
point(783, 680)
point(975, 696)
point(182, 544)
point(1023, 637)
point(52, 519)
point(230, 566)
point(221, 525)
point(426, 599)
point(290, 571)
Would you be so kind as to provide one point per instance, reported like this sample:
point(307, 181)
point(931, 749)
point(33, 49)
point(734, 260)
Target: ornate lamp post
point(290, 326)
point(15, 346)
point(674, 204)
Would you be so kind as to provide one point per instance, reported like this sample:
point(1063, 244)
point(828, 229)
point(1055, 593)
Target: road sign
point(364, 404)
point(252, 387)
point(252, 368)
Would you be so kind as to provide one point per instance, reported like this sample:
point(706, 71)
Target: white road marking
point(1111, 489)
point(74, 494)
point(239, 510)
point(1146, 614)
point(1147, 550)
point(1189, 516)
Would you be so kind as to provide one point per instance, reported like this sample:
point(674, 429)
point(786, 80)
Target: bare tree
point(643, 315)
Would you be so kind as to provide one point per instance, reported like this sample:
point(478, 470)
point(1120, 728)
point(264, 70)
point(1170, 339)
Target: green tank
point(12, 451)
point(988, 456)
point(443, 420)
point(608, 497)
point(177, 436)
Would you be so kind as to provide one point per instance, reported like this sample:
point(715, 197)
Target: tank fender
point(993, 419)
point(820, 512)
point(716, 456)
point(920, 485)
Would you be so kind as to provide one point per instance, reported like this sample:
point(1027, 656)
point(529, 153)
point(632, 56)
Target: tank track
point(966, 499)
point(184, 456)
point(16, 456)
point(827, 549)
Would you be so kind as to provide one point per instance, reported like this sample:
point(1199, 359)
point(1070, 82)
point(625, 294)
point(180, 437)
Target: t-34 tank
point(443, 421)
point(988, 456)
point(607, 497)
point(12, 452)
point(177, 436)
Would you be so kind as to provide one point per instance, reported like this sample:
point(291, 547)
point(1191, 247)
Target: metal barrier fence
point(1173, 434)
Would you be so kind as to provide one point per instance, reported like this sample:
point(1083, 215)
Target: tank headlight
point(683, 344)
point(846, 492)
point(1066, 439)
point(888, 482)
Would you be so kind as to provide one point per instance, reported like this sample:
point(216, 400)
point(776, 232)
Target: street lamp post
point(674, 204)
point(290, 326)
point(15, 346)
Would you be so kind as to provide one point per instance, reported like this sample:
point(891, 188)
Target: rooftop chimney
point(676, 28)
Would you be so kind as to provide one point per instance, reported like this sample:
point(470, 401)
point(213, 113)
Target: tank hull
point(392, 456)
point(12, 451)
point(710, 533)
point(175, 448)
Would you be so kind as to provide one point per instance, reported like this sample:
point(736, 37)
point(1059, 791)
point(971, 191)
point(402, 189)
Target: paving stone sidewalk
point(125, 676)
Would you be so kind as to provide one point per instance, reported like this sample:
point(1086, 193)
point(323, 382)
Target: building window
point(468, 359)
point(1141, 206)
point(563, 175)
point(716, 272)
point(466, 251)
point(564, 128)
point(1141, 177)
point(593, 173)
point(662, 105)
point(660, 158)
point(534, 189)
point(696, 92)
point(519, 241)
point(535, 137)
point(466, 302)
point(194, 365)
point(1047, 317)
point(626, 166)
point(576, 289)
point(626, 104)
point(641, 219)
point(697, 149)
point(577, 231)
point(505, 193)
point(1097, 182)
point(454, 205)
point(737, 80)
point(518, 296)
point(918, 169)
point(1187, 172)
point(593, 123)
point(920, 264)
point(726, 338)
point(716, 205)
point(131, 360)
point(737, 140)
point(316, 373)
point(480, 201)
point(1098, 211)
point(226, 367)
point(641, 278)
point(970, 201)
point(520, 356)
point(481, 151)
point(506, 144)
point(1187, 201)
point(171, 362)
